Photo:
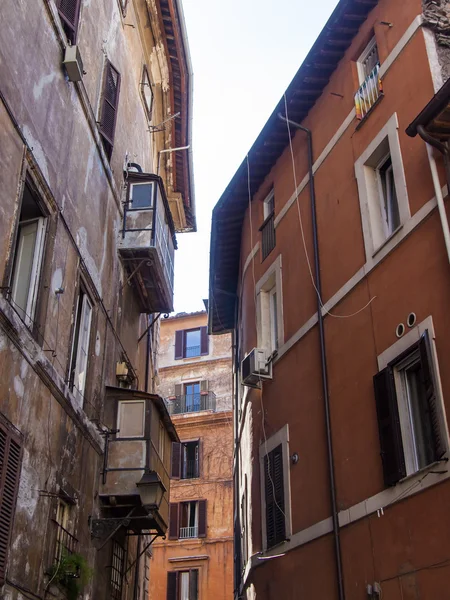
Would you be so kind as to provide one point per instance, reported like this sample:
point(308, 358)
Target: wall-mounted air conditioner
point(73, 63)
point(256, 367)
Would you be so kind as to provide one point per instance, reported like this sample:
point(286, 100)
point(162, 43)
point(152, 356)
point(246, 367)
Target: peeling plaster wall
point(436, 14)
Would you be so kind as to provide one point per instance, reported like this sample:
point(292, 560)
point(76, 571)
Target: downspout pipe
point(236, 476)
point(430, 144)
point(323, 360)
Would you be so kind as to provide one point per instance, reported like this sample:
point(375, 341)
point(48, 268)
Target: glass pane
point(141, 195)
point(192, 343)
point(131, 419)
point(184, 586)
point(389, 200)
point(273, 321)
point(419, 416)
point(22, 269)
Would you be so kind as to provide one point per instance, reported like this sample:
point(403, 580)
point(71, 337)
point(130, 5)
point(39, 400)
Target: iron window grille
point(117, 570)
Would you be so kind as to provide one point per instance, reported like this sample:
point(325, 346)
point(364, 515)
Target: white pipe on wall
point(439, 198)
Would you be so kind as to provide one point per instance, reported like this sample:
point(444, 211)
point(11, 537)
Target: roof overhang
point(435, 117)
point(301, 95)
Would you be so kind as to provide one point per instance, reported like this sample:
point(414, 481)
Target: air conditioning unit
point(256, 367)
point(73, 63)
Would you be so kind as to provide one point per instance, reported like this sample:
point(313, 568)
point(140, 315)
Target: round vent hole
point(411, 320)
point(400, 330)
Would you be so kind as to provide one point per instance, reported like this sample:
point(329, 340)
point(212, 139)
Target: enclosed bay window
point(80, 345)
point(28, 256)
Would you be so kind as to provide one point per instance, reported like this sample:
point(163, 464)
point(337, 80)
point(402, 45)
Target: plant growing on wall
point(71, 574)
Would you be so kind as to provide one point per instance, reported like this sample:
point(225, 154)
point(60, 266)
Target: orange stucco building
point(195, 562)
point(331, 259)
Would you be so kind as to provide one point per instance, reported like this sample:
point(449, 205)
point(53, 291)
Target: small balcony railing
point(189, 469)
point(268, 235)
point(192, 351)
point(368, 93)
point(188, 532)
point(66, 543)
point(191, 403)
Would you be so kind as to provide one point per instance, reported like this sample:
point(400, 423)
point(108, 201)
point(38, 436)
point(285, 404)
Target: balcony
point(191, 403)
point(148, 242)
point(369, 93)
point(132, 430)
point(188, 532)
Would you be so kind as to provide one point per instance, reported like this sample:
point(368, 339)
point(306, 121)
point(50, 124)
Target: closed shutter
point(198, 458)
point(10, 457)
point(178, 390)
point(69, 12)
point(429, 380)
point(204, 387)
point(173, 521)
point(179, 339)
point(274, 492)
point(204, 341)
point(201, 518)
point(111, 87)
point(176, 460)
point(391, 445)
point(193, 584)
point(172, 585)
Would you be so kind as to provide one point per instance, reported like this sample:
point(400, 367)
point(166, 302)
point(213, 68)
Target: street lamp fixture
point(151, 490)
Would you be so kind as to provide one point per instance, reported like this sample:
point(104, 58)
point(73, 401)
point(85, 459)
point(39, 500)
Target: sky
point(244, 54)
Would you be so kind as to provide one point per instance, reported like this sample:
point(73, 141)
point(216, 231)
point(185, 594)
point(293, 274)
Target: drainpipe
point(323, 361)
point(169, 150)
point(430, 143)
point(237, 514)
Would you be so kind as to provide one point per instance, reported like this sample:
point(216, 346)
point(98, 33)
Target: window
point(28, 257)
point(10, 460)
point(191, 342)
point(411, 421)
point(130, 419)
point(185, 460)
point(182, 585)
point(275, 489)
point(382, 188)
point(192, 395)
point(161, 441)
point(117, 570)
point(69, 13)
point(368, 60)
point(268, 227)
point(147, 93)
point(269, 305)
point(123, 6)
point(187, 520)
point(65, 542)
point(109, 106)
point(80, 347)
point(141, 195)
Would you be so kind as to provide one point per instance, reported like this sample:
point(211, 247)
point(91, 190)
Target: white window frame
point(270, 284)
point(360, 63)
point(280, 437)
point(138, 183)
point(81, 361)
point(390, 355)
point(371, 203)
point(145, 82)
point(266, 204)
point(119, 418)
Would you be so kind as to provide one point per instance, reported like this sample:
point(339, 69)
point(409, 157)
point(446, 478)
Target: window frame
point(281, 437)
point(385, 142)
point(145, 75)
point(398, 356)
point(270, 284)
point(74, 367)
point(360, 63)
point(119, 418)
point(180, 342)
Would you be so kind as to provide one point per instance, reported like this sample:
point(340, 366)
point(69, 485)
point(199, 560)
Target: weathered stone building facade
point(91, 194)
point(196, 561)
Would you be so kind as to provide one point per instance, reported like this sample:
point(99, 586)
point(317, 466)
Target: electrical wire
point(303, 233)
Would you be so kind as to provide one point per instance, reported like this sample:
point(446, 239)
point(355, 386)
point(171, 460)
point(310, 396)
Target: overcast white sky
point(244, 54)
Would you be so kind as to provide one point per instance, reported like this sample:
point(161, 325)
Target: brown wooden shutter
point(429, 381)
point(204, 341)
point(69, 12)
point(178, 389)
point(204, 386)
point(193, 584)
point(176, 460)
point(391, 444)
point(274, 493)
point(179, 343)
point(201, 518)
point(174, 521)
point(110, 101)
point(199, 458)
point(10, 458)
point(172, 585)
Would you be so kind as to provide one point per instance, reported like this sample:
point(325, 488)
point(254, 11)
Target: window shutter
point(429, 380)
point(193, 584)
point(111, 86)
point(69, 11)
point(173, 521)
point(178, 389)
point(172, 585)
point(176, 460)
point(199, 458)
point(10, 457)
point(179, 338)
point(204, 341)
point(391, 444)
point(201, 518)
point(274, 492)
point(204, 386)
